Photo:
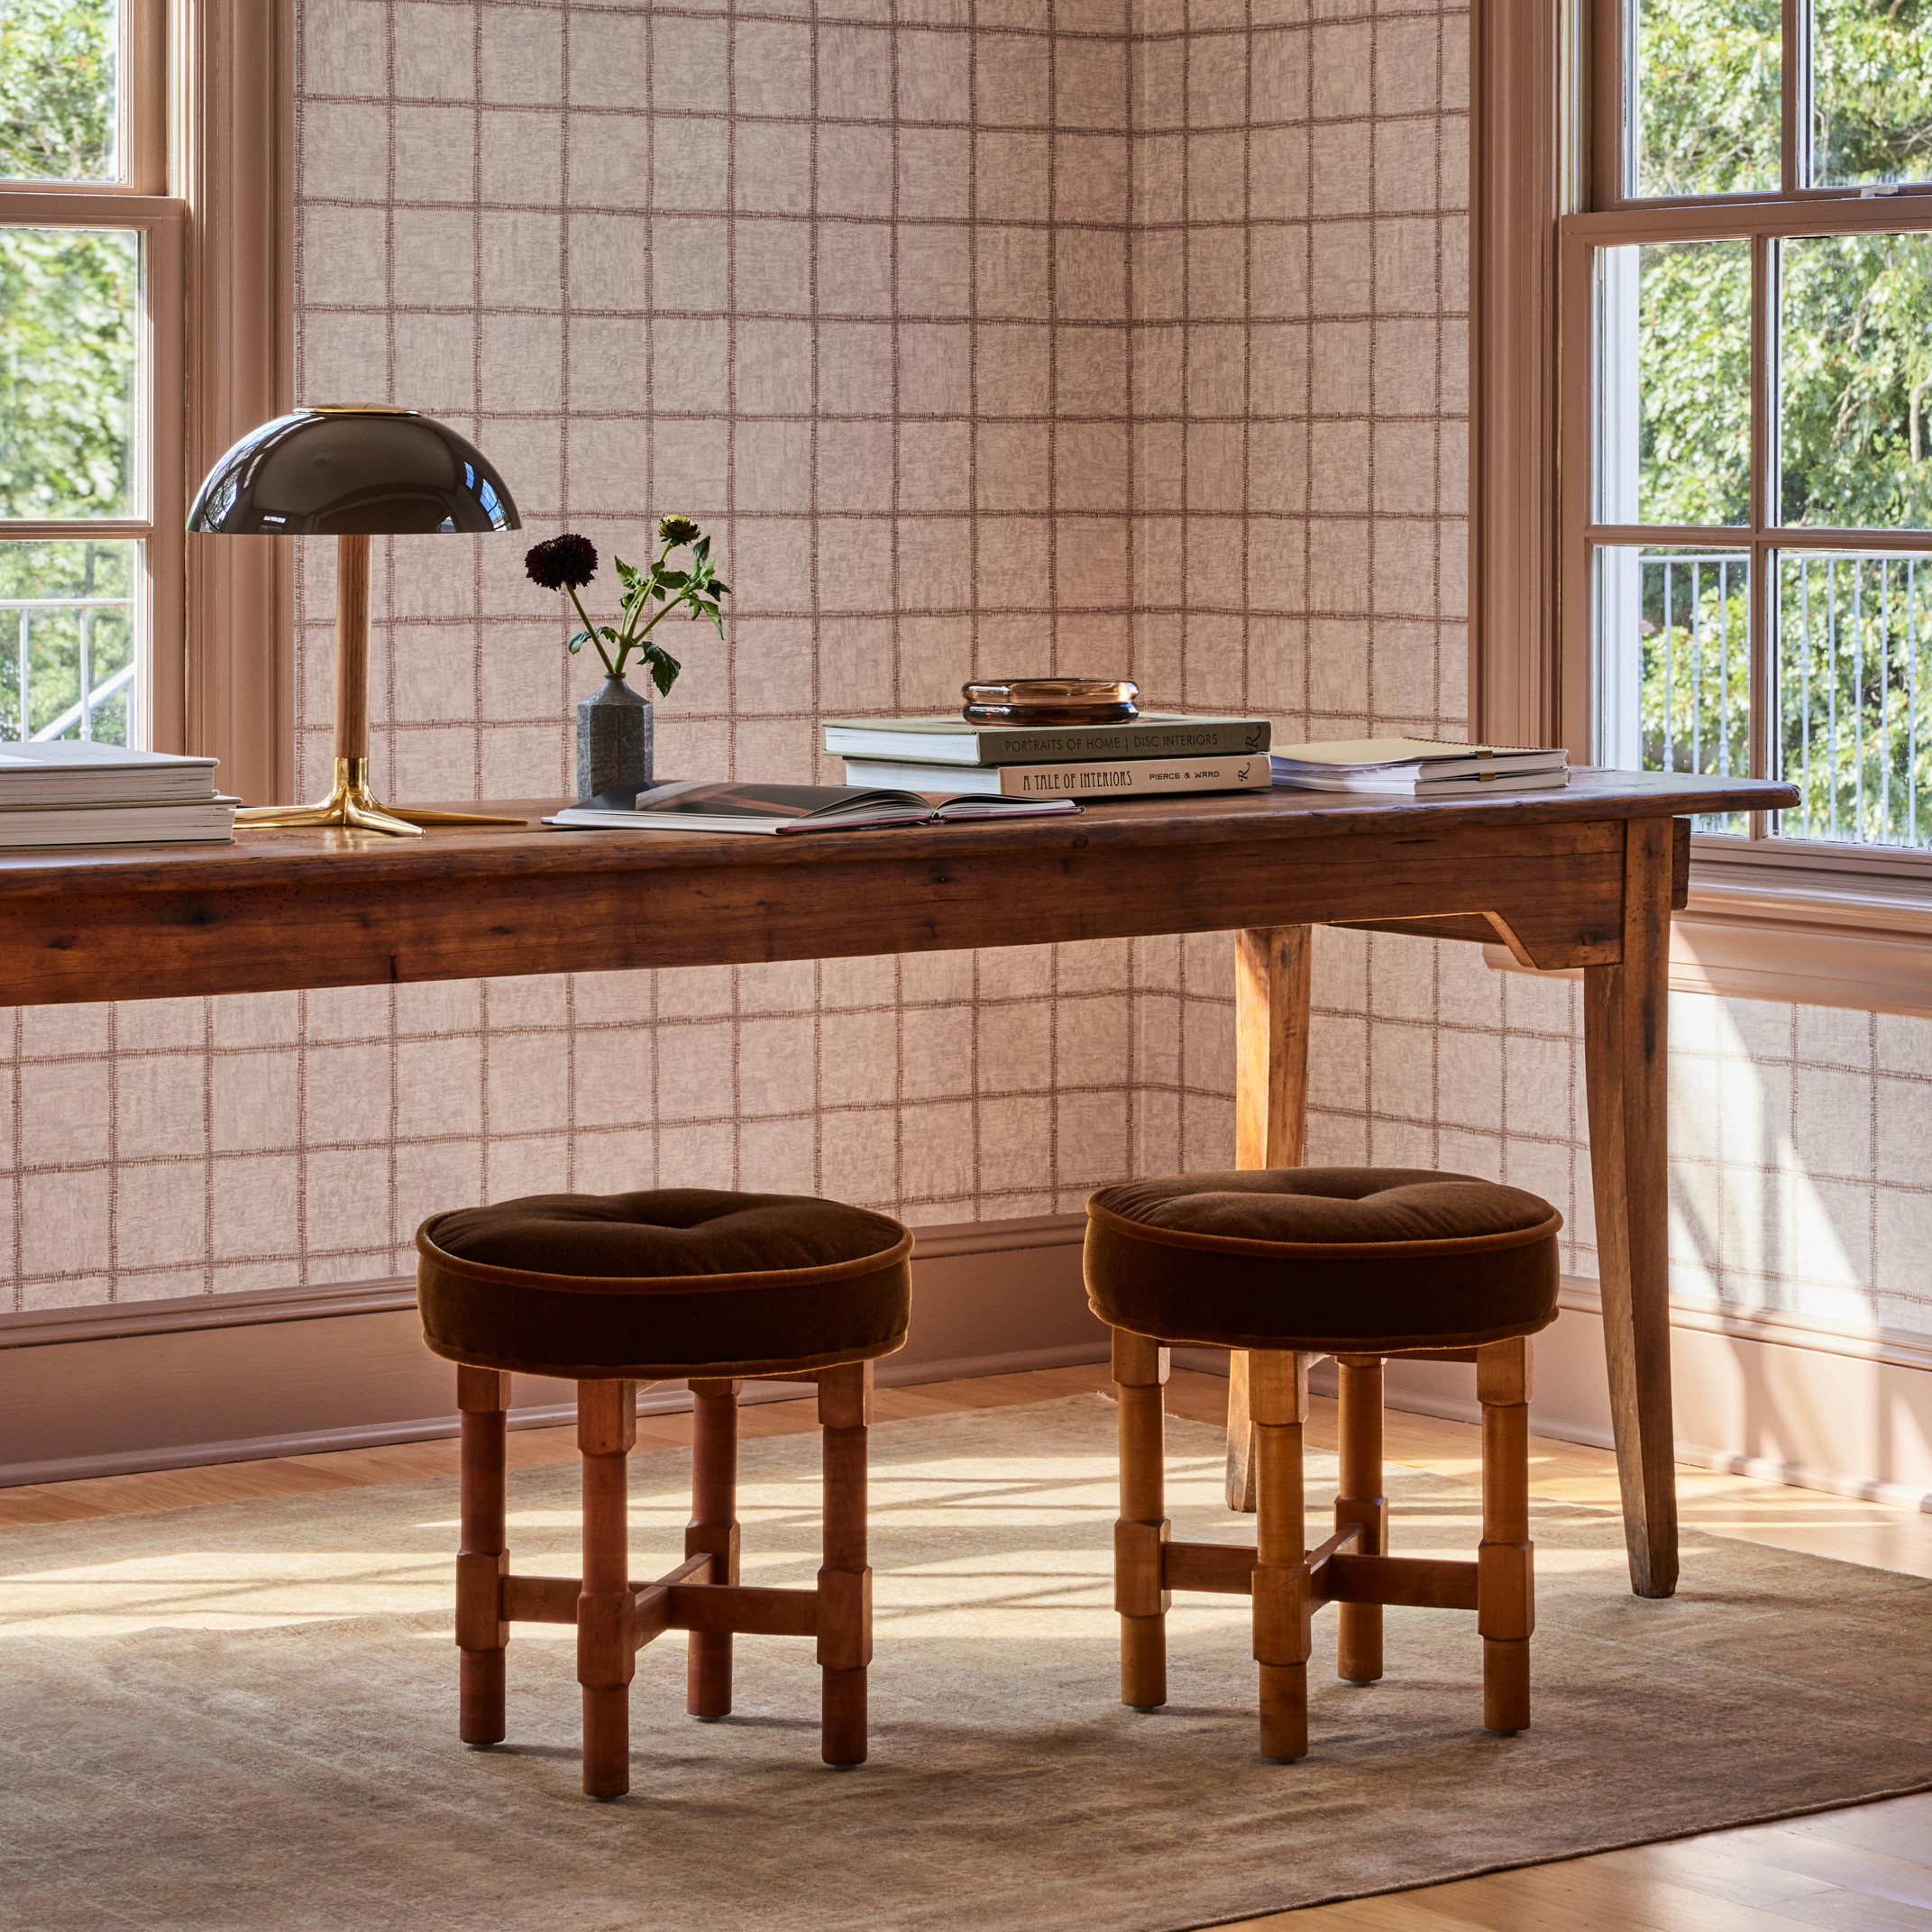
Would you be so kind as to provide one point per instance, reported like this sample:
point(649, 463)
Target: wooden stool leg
point(713, 1531)
point(607, 1426)
point(1279, 1393)
point(1360, 1500)
point(844, 1581)
point(482, 1395)
point(1140, 1369)
point(1505, 1592)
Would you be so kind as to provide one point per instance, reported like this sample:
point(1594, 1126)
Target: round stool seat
point(1373, 1260)
point(678, 1282)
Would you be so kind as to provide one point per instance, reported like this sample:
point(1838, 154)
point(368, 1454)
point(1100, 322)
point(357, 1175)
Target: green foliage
point(57, 89)
point(1874, 88)
point(68, 299)
point(695, 590)
point(1857, 366)
point(69, 304)
point(1694, 382)
point(1708, 74)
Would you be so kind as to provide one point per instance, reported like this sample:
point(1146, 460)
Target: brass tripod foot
point(350, 805)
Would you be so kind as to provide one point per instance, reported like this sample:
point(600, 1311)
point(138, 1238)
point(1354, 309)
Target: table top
point(288, 909)
point(261, 858)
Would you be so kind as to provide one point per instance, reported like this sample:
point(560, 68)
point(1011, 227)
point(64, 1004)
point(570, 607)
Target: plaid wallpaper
point(989, 336)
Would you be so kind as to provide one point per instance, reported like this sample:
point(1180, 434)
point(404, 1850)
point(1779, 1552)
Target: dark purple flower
point(562, 560)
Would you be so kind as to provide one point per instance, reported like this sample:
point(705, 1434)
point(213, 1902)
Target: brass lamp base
point(351, 804)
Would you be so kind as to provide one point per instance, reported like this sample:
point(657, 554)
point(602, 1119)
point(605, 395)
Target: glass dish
point(1051, 700)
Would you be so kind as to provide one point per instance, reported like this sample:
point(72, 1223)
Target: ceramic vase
point(613, 745)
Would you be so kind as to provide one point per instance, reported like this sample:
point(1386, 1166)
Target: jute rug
point(241, 1715)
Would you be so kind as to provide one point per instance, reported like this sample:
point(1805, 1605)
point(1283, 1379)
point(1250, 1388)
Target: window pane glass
point(70, 646)
point(1674, 383)
point(70, 353)
point(1856, 381)
point(1855, 696)
point(1872, 63)
point(1705, 82)
point(58, 108)
point(1674, 654)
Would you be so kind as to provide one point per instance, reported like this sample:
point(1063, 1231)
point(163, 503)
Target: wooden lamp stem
point(351, 647)
point(349, 802)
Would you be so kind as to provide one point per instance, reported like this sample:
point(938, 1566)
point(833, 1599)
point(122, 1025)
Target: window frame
point(207, 125)
point(1547, 106)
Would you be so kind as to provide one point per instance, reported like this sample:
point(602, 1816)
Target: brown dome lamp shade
point(352, 473)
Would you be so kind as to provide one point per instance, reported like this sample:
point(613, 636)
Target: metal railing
point(62, 657)
point(1695, 705)
point(1854, 695)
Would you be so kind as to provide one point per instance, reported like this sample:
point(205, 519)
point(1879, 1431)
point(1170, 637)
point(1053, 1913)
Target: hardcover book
point(141, 822)
point(79, 771)
point(951, 740)
point(1116, 778)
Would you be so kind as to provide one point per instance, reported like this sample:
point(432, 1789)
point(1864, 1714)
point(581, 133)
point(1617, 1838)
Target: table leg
point(1271, 983)
point(1624, 1009)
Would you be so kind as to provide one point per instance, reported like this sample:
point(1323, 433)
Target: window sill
point(1817, 929)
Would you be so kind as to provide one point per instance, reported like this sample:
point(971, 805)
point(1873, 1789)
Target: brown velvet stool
point(683, 1283)
point(1290, 1264)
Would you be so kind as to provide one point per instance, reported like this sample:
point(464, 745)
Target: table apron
point(1555, 890)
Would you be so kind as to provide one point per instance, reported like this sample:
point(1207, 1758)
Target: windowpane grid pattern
point(1761, 387)
point(989, 339)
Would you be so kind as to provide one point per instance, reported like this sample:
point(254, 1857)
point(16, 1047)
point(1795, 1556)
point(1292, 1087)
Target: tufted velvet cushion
point(679, 1282)
point(1371, 1259)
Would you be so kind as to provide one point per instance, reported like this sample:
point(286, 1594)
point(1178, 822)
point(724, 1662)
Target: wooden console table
point(1582, 877)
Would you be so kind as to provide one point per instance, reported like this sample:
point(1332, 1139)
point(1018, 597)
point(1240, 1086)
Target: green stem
point(628, 636)
point(664, 610)
point(572, 589)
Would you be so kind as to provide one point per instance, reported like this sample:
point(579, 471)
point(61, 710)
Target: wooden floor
point(1866, 1869)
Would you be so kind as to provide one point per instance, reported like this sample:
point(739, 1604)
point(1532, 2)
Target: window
point(146, 321)
point(1744, 543)
point(91, 275)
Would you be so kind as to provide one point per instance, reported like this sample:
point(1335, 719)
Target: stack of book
point(1419, 767)
point(68, 793)
point(1157, 754)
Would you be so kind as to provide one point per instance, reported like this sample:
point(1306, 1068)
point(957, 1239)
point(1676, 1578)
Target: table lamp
point(352, 473)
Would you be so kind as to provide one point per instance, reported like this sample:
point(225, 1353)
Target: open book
point(718, 805)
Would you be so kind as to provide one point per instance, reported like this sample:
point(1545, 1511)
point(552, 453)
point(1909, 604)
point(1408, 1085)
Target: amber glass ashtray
point(1052, 701)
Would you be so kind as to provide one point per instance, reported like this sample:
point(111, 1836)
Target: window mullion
point(1762, 597)
point(1795, 96)
point(144, 133)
